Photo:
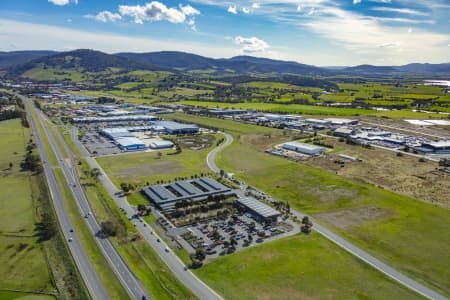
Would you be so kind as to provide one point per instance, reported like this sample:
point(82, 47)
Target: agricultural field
point(140, 168)
point(298, 267)
point(386, 224)
point(22, 255)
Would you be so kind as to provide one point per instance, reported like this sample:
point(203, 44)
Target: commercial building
point(177, 128)
point(259, 210)
point(227, 112)
point(162, 144)
point(164, 196)
point(341, 122)
point(441, 147)
point(116, 119)
point(343, 131)
point(114, 133)
point(130, 143)
point(303, 148)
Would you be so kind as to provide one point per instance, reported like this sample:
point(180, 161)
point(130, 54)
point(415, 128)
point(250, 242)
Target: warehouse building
point(114, 133)
point(117, 119)
point(441, 147)
point(164, 196)
point(260, 211)
point(177, 128)
point(303, 148)
point(162, 144)
point(130, 143)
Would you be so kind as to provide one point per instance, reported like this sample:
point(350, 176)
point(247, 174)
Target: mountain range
point(18, 62)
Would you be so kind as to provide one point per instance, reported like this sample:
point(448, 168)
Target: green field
point(140, 168)
point(298, 267)
point(386, 224)
point(315, 110)
point(22, 257)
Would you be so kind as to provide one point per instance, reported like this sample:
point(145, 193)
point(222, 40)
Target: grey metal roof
point(258, 207)
point(164, 195)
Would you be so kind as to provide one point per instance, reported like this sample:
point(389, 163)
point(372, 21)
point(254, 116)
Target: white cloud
point(251, 44)
point(299, 7)
point(105, 16)
point(356, 1)
point(62, 2)
point(156, 11)
point(59, 2)
point(400, 10)
point(189, 10)
point(367, 38)
point(245, 10)
point(311, 11)
point(255, 5)
point(232, 9)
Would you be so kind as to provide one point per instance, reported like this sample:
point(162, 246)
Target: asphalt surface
point(130, 282)
point(179, 269)
point(85, 267)
point(346, 245)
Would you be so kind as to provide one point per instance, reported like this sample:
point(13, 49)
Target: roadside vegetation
point(36, 263)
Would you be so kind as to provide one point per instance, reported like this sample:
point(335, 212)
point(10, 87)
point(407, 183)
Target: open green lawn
point(142, 167)
point(386, 224)
point(22, 260)
point(298, 267)
point(10, 295)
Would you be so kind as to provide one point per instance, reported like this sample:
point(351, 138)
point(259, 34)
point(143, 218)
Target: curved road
point(130, 282)
point(343, 243)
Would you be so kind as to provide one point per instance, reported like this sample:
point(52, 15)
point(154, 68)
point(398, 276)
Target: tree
point(109, 228)
point(159, 154)
point(10, 165)
point(95, 173)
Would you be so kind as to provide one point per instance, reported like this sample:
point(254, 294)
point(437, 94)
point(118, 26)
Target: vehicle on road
point(69, 239)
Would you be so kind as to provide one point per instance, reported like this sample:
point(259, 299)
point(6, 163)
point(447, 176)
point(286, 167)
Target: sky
point(317, 32)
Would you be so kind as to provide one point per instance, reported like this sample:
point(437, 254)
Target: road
point(130, 282)
point(343, 243)
point(84, 265)
point(179, 269)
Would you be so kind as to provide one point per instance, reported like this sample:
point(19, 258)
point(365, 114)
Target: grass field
point(140, 168)
point(298, 267)
point(316, 110)
point(10, 295)
point(386, 224)
point(22, 258)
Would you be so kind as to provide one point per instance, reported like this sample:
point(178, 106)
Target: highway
point(179, 269)
point(84, 265)
point(130, 282)
point(343, 243)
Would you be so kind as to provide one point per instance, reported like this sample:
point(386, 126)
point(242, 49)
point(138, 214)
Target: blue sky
point(320, 32)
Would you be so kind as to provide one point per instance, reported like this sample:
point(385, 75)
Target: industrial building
point(164, 196)
point(343, 131)
point(341, 122)
point(162, 144)
point(130, 143)
point(260, 211)
point(117, 119)
point(114, 133)
point(441, 147)
point(177, 128)
point(227, 112)
point(303, 148)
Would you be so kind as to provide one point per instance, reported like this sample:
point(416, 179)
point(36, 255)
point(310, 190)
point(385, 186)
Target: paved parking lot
point(215, 236)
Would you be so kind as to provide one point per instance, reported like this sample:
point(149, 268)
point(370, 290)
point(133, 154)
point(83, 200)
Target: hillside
point(80, 61)
point(238, 64)
point(8, 59)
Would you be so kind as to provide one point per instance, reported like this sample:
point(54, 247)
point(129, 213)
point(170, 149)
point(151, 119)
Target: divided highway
point(85, 267)
point(120, 268)
point(346, 245)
